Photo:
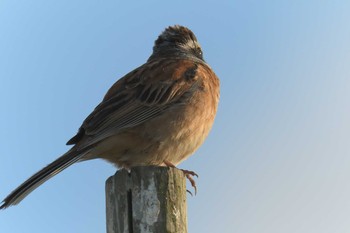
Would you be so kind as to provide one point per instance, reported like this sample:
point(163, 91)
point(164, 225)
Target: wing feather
point(141, 95)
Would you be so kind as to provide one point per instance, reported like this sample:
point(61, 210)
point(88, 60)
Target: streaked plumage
point(160, 112)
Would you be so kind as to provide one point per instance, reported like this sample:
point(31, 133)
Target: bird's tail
point(41, 176)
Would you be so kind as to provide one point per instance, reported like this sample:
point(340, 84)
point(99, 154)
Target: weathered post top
point(147, 200)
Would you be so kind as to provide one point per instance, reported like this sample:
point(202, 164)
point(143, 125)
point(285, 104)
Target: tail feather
point(41, 176)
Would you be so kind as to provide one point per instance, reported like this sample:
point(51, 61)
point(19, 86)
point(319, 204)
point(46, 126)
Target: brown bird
point(158, 114)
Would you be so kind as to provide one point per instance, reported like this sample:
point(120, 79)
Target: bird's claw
point(189, 175)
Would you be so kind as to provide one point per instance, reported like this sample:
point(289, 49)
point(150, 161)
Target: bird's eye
point(199, 53)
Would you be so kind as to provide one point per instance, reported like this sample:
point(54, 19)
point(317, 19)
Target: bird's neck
point(172, 53)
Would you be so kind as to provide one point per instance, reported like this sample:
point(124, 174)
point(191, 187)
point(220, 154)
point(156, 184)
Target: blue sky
point(277, 159)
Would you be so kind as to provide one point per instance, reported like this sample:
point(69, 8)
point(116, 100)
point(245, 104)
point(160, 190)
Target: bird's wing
point(141, 95)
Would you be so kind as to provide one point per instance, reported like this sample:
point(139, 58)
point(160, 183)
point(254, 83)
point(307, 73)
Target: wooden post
point(146, 200)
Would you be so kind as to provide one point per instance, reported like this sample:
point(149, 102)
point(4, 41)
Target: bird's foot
point(189, 175)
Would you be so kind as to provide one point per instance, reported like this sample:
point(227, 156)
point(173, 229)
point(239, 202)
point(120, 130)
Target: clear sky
point(277, 159)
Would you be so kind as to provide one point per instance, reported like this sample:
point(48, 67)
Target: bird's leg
point(189, 175)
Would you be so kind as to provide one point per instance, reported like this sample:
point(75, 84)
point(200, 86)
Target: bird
point(156, 115)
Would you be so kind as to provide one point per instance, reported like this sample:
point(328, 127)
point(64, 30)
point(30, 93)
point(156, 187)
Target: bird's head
point(177, 39)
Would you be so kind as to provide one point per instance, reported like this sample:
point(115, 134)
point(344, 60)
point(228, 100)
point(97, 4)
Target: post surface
point(146, 200)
